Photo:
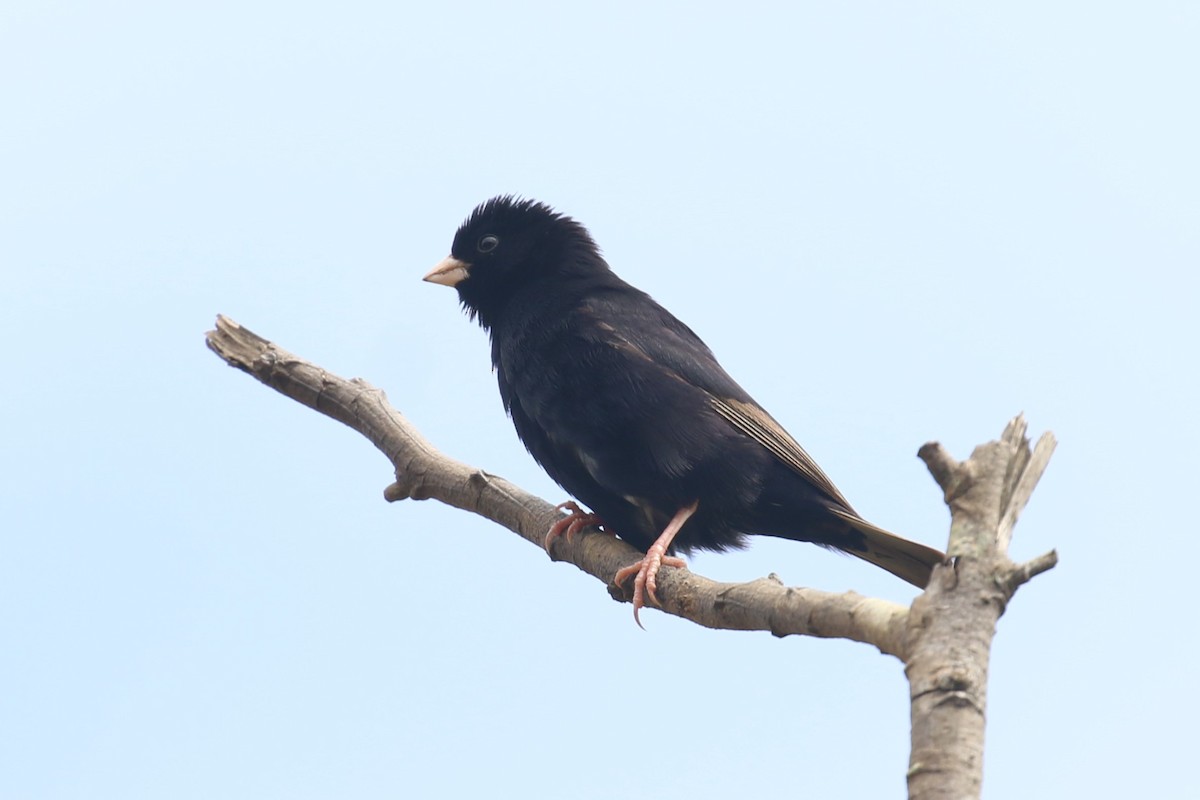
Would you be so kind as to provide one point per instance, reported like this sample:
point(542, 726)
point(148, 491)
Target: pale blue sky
point(892, 223)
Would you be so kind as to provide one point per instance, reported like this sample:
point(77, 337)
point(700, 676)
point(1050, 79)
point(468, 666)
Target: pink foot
point(572, 523)
point(646, 570)
point(646, 580)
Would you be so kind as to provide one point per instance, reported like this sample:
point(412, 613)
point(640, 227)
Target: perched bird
point(629, 411)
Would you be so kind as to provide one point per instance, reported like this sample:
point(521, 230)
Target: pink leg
point(647, 569)
point(572, 523)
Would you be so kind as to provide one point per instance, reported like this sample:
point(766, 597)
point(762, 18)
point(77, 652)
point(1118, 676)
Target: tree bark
point(944, 639)
point(951, 625)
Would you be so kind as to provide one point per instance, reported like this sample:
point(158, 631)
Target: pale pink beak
point(449, 272)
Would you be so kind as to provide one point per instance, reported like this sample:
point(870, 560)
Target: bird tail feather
point(907, 560)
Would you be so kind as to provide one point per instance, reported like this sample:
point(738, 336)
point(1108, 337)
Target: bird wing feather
point(677, 348)
point(751, 420)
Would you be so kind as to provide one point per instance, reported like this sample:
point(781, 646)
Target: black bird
point(628, 410)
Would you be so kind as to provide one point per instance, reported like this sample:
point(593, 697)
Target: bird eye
point(488, 243)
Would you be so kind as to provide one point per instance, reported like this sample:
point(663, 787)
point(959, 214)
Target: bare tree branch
point(422, 472)
point(1023, 573)
point(1026, 481)
point(952, 624)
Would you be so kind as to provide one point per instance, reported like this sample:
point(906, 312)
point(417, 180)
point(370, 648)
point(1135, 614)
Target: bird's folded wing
point(762, 428)
point(651, 332)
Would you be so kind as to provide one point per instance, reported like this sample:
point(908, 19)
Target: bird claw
point(656, 556)
point(646, 578)
point(571, 524)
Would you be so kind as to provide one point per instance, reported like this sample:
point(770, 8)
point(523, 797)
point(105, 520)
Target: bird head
point(507, 244)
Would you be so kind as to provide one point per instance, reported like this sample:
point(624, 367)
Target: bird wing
point(644, 328)
point(752, 420)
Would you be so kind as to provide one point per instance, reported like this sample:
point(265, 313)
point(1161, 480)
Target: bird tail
point(906, 560)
